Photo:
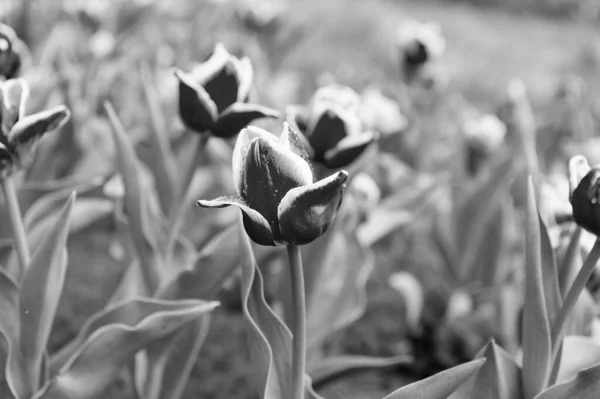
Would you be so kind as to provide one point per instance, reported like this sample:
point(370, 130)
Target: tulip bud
point(19, 133)
point(276, 192)
point(10, 60)
point(418, 43)
point(213, 96)
point(331, 127)
point(585, 194)
point(483, 135)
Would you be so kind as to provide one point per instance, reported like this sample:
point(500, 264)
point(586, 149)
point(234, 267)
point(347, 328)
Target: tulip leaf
point(163, 165)
point(168, 362)
point(578, 353)
point(109, 347)
point(440, 385)
point(40, 292)
point(338, 295)
point(332, 368)
point(137, 203)
point(270, 341)
point(536, 329)
point(171, 359)
point(585, 386)
point(474, 212)
point(213, 264)
point(498, 378)
point(86, 211)
point(13, 365)
point(132, 284)
point(397, 211)
point(549, 272)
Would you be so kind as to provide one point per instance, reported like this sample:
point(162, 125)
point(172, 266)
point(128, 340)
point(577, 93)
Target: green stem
point(299, 327)
point(558, 329)
point(565, 271)
point(16, 220)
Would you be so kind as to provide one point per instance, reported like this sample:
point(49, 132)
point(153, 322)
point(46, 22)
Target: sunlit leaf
point(136, 203)
point(13, 367)
point(578, 353)
point(440, 385)
point(585, 386)
point(549, 272)
point(163, 165)
point(536, 329)
point(40, 292)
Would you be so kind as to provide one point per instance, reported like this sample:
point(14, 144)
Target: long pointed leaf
point(136, 202)
point(13, 366)
point(108, 349)
point(40, 292)
point(269, 339)
point(440, 385)
point(536, 328)
point(549, 272)
point(163, 165)
point(498, 378)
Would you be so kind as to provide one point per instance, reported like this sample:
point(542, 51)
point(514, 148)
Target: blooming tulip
point(19, 132)
point(281, 202)
point(213, 96)
point(333, 132)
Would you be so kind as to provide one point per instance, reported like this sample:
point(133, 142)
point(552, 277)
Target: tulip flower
point(281, 202)
point(10, 60)
point(584, 183)
point(420, 42)
point(213, 96)
point(18, 132)
point(333, 132)
point(483, 135)
point(260, 16)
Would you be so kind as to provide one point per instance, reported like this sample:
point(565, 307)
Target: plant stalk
point(299, 317)
point(558, 328)
point(16, 221)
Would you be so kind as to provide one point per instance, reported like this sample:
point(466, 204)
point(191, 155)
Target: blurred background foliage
point(87, 52)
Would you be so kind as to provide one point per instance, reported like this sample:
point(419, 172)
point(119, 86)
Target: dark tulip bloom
point(10, 60)
point(584, 185)
point(333, 132)
point(276, 189)
point(213, 96)
point(19, 133)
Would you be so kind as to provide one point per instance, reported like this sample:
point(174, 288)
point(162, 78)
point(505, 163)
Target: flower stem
point(299, 327)
point(16, 221)
point(558, 328)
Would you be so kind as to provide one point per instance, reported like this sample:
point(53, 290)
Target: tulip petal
point(14, 95)
point(207, 70)
point(255, 224)
point(305, 213)
point(348, 149)
point(326, 130)
point(197, 110)
point(271, 171)
point(238, 116)
point(294, 141)
point(245, 73)
point(297, 117)
point(578, 168)
point(240, 151)
point(27, 130)
point(223, 87)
